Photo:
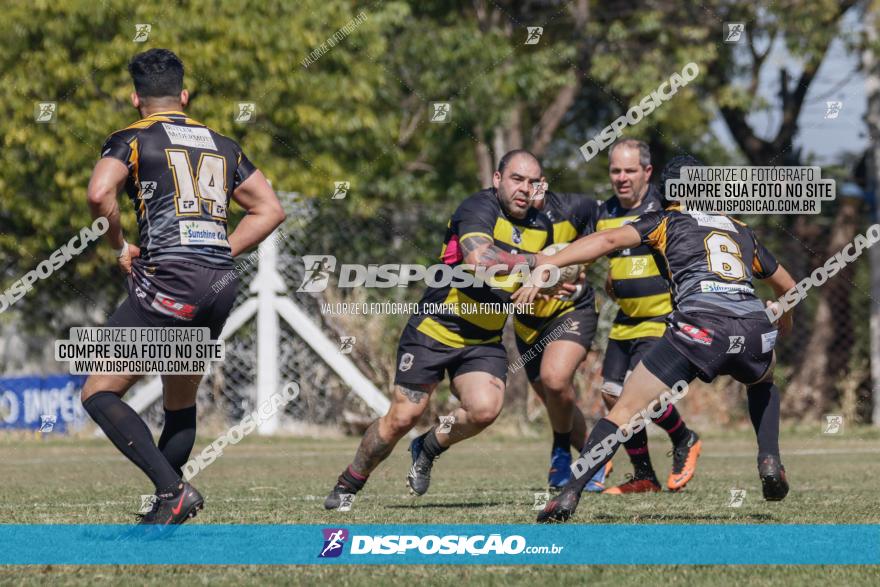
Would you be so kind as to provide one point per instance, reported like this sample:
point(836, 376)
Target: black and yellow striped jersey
point(181, 177)
point(480, 214)
point(711, 260)
point(572, 216)
point(637, 275)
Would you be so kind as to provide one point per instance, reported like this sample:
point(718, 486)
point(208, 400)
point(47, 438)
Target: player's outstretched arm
point(781, 282)
point(594, 246)
point(264, 213)
point(583, 250)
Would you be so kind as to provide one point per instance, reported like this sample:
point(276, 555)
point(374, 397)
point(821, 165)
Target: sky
point(838, 79)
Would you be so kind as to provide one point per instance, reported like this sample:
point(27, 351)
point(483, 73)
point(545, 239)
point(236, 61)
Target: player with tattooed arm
point(497, 228)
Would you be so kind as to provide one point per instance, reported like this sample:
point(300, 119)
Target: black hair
point(672, 170)
point(157, 73)
point(506, 159)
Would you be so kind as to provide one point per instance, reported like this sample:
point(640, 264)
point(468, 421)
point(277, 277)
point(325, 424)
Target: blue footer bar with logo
point(442, 544)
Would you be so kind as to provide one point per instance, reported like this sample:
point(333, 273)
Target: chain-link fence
point(823, 366)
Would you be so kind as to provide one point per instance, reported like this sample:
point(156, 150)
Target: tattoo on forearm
point(372, 450)
point(474, 243)
point(489, 254)
point(413, 395)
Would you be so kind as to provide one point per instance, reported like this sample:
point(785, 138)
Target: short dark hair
point(672, 170)
point(508, 157)
point(157, 73)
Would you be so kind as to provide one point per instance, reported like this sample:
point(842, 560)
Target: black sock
point(637, 449)
point(603, 429)
point(675, 427)
point(562, 440)
point(352, 479)
point(130, 434)
point(178, 437)
point(432, 446)
point(764, 412)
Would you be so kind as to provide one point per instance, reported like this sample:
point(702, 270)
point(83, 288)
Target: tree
point(871, 64)
point(805, 30)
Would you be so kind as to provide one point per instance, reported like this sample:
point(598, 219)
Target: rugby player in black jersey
point(636, 281)
point(557, 336)
point(494, 227)
point(179, 175)
point(718, 327)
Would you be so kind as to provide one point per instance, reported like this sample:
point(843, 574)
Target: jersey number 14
point(207, 184)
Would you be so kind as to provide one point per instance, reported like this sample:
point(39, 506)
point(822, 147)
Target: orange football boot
point(635, 486)
point(684, 463)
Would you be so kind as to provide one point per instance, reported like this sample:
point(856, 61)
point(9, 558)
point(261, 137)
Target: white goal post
point(267, 304)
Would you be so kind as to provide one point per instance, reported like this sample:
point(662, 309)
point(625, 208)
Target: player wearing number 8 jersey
point(180, 176)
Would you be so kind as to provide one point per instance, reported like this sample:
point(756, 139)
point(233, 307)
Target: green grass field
point(486, 480)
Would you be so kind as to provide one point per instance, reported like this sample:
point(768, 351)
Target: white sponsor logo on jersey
point(148, 188)
point(712, 220)
point(201, 232)
point(720, 287)
point(188, 136)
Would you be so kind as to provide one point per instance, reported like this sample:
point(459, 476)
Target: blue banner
point(48, 404)
point(442, 544)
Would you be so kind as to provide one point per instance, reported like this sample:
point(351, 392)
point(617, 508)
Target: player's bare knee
point(401, 420)
point(87, 391)
point(556, 384)
point(400, 424)
point(483, 416)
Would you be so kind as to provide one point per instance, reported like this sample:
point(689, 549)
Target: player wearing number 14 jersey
point(180, 176)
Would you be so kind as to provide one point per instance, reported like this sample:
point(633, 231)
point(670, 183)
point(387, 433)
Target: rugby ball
point(567, 274)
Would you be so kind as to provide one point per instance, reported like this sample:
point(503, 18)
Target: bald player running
point(495, 227)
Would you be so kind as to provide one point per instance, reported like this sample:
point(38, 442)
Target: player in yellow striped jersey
point(555, 338)
point(495, 227)
point(636, 281)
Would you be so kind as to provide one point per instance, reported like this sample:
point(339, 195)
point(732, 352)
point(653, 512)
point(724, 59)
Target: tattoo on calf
point(372, 451)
